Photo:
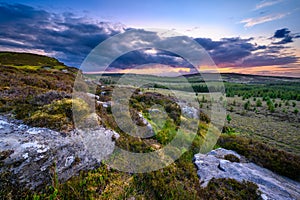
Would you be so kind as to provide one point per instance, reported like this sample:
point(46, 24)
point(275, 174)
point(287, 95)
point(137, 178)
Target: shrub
point(231, 189)
point(59, 114)
point(247, 105)
point(271, 108)
point(270, 105)
point(228, 130)
point(48, 97)
point(234, 102)
point(204, 117)
point(228, 117)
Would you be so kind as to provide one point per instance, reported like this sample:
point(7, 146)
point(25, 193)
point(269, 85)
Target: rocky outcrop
point(222, 163)
point(145, 122)
point(32, 154)
point(189, 111)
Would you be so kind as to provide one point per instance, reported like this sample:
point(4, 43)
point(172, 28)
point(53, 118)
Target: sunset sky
point(254, 36)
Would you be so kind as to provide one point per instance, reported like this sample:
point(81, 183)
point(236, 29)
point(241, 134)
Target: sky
point(251, 36)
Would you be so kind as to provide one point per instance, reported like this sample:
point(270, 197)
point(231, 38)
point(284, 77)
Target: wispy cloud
point(254, 21)
point(265, 3)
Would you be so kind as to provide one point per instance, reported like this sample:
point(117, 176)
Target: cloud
point(265, 3)
point(229, 50)
point(65, 35)
point(285, 40)
point(70, 38)
point(255, 21)
point(135, 58)
point(170, 50)
point(285, 35)
point(268, 60)
point(281, 33)
point(208, 44)
point(237, 52)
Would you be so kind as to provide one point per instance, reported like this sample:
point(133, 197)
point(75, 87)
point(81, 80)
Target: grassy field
point(275, 121)
point(279, 128)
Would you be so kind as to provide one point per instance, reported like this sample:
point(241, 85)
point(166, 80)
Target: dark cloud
point(19, 13)
point(241, 52)
point(268, 60)
point(229, 50)
point(281, 33)
point(65, 35)
point(232, 50)
point(135, 58)
point(285, 35)
point(274, 49)
point(70, 38)
point(285, 40)
point(208, 44)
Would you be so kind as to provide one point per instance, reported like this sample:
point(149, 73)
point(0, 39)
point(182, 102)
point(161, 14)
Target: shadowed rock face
point(31, 154)
point(271, 185)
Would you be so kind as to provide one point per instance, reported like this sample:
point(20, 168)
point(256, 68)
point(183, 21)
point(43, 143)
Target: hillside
point(29, 81)
point(28, 59)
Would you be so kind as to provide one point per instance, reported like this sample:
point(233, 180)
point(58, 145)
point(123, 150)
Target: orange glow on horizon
point(156, 69)
point(165, 70)
point(273, 70)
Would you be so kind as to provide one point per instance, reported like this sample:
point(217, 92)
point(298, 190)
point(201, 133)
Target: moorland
point(262, 124)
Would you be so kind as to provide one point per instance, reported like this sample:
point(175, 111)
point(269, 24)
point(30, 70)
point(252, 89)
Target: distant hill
point(225, 77)
point(244, 78)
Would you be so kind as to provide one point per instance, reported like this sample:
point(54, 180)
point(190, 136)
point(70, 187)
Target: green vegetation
point(282, 90)
point(231, 189)
point(247, 105)
point(27, 60)
point(58, 114)
point(228, 118)
point(258, 103)
point(176, 181)
point(33, 87)
point(285, 89)
point(229, 130)
point(270, 105)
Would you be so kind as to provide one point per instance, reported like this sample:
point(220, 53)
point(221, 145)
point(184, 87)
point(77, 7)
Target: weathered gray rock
point(147, 131)
point(189, 111)
point(29, 153)
point(271, 185)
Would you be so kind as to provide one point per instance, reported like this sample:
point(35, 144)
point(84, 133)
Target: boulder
point(189, 111)
point(30, 154)
point(272, 186)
